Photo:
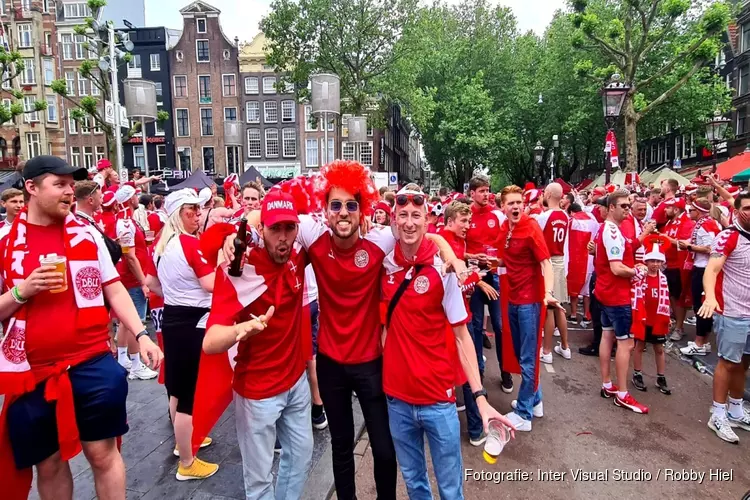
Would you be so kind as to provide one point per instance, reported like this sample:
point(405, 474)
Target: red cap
point(600, 191)
point(278, 207)
point(676, 202)
point(384, 206)
point(102, 164)
point(108, 199)
point(733, 190)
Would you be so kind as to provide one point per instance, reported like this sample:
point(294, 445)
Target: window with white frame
point(207, 121)
point(95, 91)
point(83, 85)
point(289, 142)
point(24, 35)
point(677, 146)
point(134, 66)
point(226, 54)
point(77, 9)
point(7, 103)
point(365, 154)
point(26, 6)
point(72, 124)
point(155, 62)
point(208, 159)
point(29, 107)
point(182, 121)
point(230, 114)
point(80, 41)
point(204, 89)
point(27, 76)
point(287, 111)
point(331, 124)
point(269, 84)
point(2, 7)
point(229, 85)
point(161, 156)
point(70, 83)
point(331, 153)
point(67, 46)
point(653, 153)
point(33, 144)
point(232, 159)
point(252, 112)
point(75, 156)
point(184, 158)
point(51, 108)
point(158, 128)
point(86, 125)
point(88, 157)
point(99, 153)
point(49, 71)
point(272, 142)
point(254, 147)
point(6, 81)
point(270, 112)
point(311, 152)
point(138, 160)
point(251, 85)
point(347, 151)
point(202, 53)
point(311, 123)
point(98, 129)
point(180, 86)
point(693, 151)
point(200, 24)
point(660, 158)
point(159, 92)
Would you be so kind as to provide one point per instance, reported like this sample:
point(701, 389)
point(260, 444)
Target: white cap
point(124, 193)
point(175, 200)
point(655, 254)
point(99, 179)
point(205, 195)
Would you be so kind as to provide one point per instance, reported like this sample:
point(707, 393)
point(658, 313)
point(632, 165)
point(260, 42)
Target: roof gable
point(199, 7)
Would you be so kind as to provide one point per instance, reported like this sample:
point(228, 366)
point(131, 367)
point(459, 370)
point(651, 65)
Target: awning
point(743, 176)
point(566, 187)
point(583, 184)
point(733, 166)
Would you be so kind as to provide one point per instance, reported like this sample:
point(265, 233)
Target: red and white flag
point(610, 146)
point(578, 263)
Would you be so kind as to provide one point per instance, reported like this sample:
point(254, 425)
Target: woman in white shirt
point(186, 281)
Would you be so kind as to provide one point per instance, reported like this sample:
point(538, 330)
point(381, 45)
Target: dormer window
point(201, 24)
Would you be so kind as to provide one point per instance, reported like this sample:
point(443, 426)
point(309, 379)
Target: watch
point(138, 337)
point(479, 393)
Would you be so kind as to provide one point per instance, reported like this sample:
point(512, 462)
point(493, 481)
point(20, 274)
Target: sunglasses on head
point(403, 199)
point(337, 205)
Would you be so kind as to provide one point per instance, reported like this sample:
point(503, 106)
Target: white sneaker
point(556, 333)
point(521, 424)
point(565, 353)
point(546, 358)
point(676, 335)
point(484, 358)
point(741, 423)
point(723, 429)
point(691, 321)
point(537, 411)
point(585, 323)
point(143, 372)
point(693, 349)
point(127, 363)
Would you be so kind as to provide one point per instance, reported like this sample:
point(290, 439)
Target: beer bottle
point(240, 246)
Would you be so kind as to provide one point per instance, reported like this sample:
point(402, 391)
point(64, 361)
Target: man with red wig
point(347, 264)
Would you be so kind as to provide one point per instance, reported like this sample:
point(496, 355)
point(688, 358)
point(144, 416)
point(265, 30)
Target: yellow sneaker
point(197, 470)
point(205, 443)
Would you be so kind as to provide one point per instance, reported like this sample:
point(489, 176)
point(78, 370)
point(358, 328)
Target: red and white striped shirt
point(732, 291)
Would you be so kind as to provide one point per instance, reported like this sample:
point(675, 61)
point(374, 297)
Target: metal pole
point(325, 137)
point(145, 151)
point(713, 167)
point(115, 95)
point(608, 168)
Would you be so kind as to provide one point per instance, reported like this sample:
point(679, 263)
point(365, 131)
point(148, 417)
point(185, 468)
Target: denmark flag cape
point(578, 263)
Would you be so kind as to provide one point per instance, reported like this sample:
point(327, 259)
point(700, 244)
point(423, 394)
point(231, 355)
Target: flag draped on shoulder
point(582, 228)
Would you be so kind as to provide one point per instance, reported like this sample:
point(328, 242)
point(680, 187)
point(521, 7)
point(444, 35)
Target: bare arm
point(710, 304)
point(134, 266)
point(621, 270)
point(154, 285)
point(41, 279)
point(219, 338)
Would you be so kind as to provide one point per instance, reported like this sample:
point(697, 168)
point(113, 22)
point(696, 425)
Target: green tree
point(11, 67)
point(352, 38)
point(661, 49)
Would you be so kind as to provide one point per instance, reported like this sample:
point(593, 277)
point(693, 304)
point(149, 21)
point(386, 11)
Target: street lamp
point(613, 97)
point(326, 89)
point(555, 146)
point(716, 132)
point(140, 102)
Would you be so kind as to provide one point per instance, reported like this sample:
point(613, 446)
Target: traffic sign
point(393, 179)
point(123, 175)
point(109, 112)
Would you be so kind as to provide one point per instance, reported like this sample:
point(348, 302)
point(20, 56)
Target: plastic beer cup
point(60, 263)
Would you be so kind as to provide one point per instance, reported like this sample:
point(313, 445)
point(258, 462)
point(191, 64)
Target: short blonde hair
point(455, 209)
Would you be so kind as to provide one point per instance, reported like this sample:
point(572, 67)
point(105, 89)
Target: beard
point(280, 254)
point(353, 228)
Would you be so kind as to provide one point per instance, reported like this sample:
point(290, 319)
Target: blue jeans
point(473, 419)
point(476, 305)
point(258, 421)
point(409, 424)
point(139, 301)
point(524, 328)
point(618, 319)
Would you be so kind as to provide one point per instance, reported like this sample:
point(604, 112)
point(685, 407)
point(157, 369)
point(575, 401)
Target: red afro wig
point(352, 177)
point(304, 192)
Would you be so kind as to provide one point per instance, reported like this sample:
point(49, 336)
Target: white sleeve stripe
point(453, 301)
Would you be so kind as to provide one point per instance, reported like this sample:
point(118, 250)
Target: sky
point(241, 17)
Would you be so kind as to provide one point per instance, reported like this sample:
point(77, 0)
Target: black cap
point(46, 164)
point(603, 201)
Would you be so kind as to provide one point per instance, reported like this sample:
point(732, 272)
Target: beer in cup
point(492, 260)
point(126, 240)
point(60, 263)
point(149, 237)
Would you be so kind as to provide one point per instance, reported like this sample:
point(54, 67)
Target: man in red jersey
point(635, 225)
point(669, 188)
point(678, 227)
point(615, 267)
point(725, 283)
point(480, 239)
point(418, 371)
point(63, 390)
point(554, 225)
point(347, 269)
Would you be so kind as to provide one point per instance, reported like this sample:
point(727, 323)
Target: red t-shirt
point(272, 361)
point(418, 366)
point(554, 224)
point(348, 281)
point(141, 251)
point(652, 299)
point(612, 246)
point(522, 258)
point(109, 221)
point(154, 222)
point(51, 333)
point(484, 228)
point(680, 228)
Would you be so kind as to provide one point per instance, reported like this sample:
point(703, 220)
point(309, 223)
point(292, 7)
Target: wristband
point(17, 296)
point(138, 337)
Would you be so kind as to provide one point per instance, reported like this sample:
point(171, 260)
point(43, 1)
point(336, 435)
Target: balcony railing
point(45, 50)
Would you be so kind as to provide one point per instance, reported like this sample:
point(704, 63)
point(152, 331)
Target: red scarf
point(638, 303)
point(17, 377)
point(511, 363)
point(709, 225)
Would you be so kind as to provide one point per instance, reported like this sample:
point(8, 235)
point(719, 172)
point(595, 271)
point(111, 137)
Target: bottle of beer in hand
point(240, 246)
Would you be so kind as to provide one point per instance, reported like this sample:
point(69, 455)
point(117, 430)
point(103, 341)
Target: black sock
point(317, 410)
point(659, 375)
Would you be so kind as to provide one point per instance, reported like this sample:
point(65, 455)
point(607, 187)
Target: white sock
point(607, 385)
point(720, 410)
point(622, 394)
point(136, 359)
point(735, 408)
point(122, 353)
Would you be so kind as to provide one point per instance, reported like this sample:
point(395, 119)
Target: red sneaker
point(609, 393)
point(630, 403)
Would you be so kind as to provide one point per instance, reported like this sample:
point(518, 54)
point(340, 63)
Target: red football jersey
point(554, 224)
point(612, 246)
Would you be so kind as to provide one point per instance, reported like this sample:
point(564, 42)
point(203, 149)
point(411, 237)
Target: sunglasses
point(624, 206)
point(337, 205)
point(403, 199)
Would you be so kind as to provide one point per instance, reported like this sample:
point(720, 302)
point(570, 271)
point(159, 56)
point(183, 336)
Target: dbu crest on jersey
point(361, 258)
point(490, 223)
point(421, 284)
